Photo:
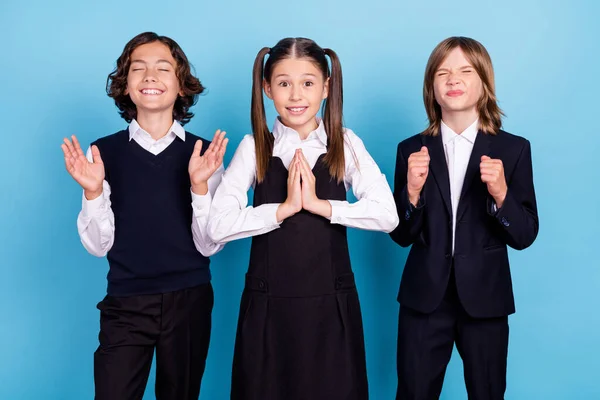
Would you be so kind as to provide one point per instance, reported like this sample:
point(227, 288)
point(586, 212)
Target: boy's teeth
point(151, 91)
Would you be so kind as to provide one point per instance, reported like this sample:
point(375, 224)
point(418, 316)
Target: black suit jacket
point(480, 256)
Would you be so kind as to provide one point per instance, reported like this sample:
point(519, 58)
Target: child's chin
point(297, 120)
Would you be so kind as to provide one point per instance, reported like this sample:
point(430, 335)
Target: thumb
point(485, 158)
point(198, 147)
point(96, 155)
point(425, 150)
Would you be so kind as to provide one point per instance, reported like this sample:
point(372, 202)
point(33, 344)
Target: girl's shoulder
point(352, 140)
point(246, 144)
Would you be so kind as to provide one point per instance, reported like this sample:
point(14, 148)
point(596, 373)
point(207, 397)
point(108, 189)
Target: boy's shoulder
point(411, 144)
point(113, 138)
point(194, 138)
point(510, 139)
point(191, 139)
point(416, 138)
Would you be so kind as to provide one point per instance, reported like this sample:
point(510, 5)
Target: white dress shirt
point(96, 221)
point(231, 218)
point(458, 149)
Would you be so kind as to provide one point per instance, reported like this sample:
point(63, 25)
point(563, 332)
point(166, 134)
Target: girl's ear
point(326, 88)
point(267, 89)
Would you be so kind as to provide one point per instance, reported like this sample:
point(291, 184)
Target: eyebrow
point(447, 69)
point(285, 75)
point(159, 61)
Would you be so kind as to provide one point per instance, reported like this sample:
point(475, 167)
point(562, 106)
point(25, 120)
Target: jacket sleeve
point(411, 217)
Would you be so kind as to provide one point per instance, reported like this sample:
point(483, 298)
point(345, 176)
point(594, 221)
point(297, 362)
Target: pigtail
point(332, 119)
point(263, 140)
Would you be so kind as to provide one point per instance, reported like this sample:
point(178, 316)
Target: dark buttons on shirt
point(505, 221)
point(261, 285)
point(407, 215)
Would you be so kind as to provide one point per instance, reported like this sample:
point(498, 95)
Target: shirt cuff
point(268, 214)
point(492, 207)
point(92, 208)
point(336, 208)
point(201, 202)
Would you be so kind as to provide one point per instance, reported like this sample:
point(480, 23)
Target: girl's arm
point(230, 216)
point(375, 209)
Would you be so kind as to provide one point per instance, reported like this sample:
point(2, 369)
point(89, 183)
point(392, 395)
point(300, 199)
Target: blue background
point(54, 63)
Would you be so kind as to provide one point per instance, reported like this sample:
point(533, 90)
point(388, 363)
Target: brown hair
point(490, 115)
point(332, 114)
point(116, 83)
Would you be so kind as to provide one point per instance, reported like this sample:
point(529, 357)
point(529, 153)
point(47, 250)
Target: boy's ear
point(267, 89)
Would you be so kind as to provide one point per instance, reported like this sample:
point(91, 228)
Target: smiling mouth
point(151, 92)
point(296, 110)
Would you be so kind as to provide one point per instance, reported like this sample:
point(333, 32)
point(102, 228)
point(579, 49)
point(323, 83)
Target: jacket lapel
point(480, 147)
point(438, 166)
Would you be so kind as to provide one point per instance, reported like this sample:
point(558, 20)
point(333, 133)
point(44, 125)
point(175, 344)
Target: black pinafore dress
point(300, 333)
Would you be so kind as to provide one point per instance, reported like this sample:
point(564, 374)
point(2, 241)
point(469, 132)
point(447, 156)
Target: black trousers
point(425, 343)
point(177, 325)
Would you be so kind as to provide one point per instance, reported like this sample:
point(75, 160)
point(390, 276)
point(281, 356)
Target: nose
point(149, 77)
point(295, 93)
point(453, 79)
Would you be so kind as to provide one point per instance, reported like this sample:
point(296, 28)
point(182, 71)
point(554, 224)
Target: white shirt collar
point(279, 130)
point(470, 133)
point(136, 129)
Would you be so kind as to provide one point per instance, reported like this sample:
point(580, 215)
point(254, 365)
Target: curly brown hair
point(116, 83)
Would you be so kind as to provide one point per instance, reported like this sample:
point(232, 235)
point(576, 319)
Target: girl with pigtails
point(300, 333)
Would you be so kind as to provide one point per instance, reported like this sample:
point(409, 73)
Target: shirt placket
point(453, 185)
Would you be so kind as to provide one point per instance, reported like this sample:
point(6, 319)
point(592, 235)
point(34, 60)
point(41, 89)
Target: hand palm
point(296, 195)
point(294, 187)
point(202, 167)
point(88, 175)
point(308, 193)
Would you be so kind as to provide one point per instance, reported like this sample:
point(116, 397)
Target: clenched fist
point(418, 169)
point(492, 174)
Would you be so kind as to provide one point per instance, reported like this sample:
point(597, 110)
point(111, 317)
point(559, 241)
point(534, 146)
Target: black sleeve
point(518, 217)
point(411, 217)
